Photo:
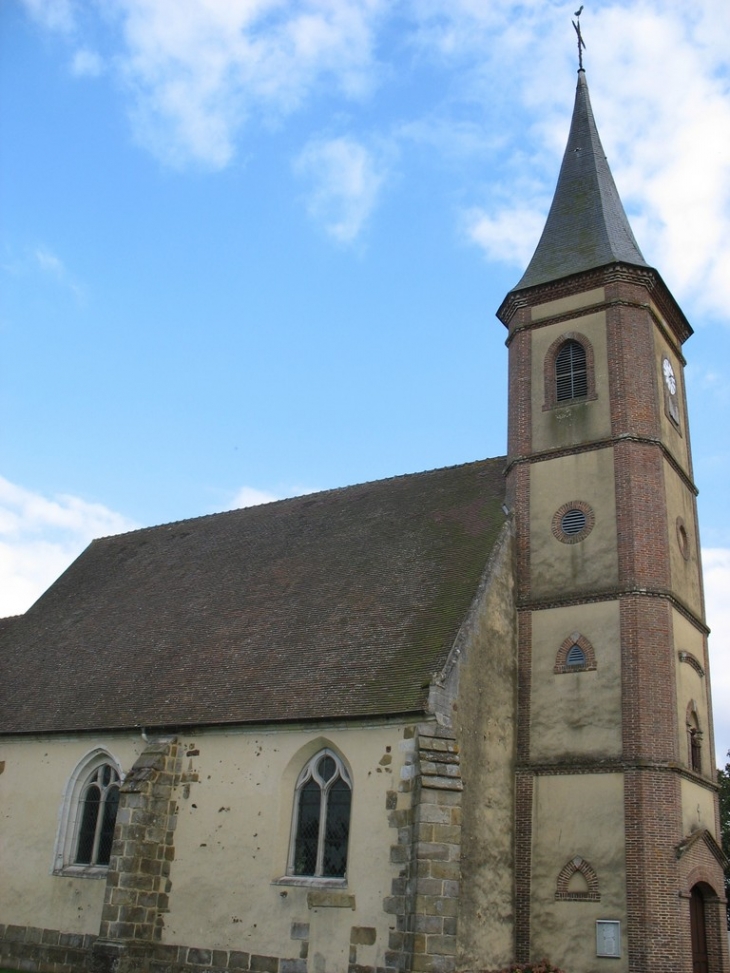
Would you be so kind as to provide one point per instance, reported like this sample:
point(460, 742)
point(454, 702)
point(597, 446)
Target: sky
point(254, 248)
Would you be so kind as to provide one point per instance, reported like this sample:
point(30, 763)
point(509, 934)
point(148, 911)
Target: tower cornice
point(523, 300)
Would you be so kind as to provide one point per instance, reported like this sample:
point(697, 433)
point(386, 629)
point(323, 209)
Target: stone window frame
point(549, 378)
point(67, 837)
point(569, 869)
point(561, 660)
point(308, 773)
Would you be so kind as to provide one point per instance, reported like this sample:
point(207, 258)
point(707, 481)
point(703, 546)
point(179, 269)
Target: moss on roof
point(333, 605)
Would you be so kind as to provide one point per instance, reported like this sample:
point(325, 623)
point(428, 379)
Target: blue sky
point(250, 249)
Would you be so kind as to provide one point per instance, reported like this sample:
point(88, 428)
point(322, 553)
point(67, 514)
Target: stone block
point(428, 924)
point(394, 904)
point(334, 899)
point(441, 945)
point(264, 964)
point(238, 962)
point(449, 833)
point(433, 851)
point(434, 814)
point(292, 966)
point(363, 935)
point(199, 957)
point(299, 930)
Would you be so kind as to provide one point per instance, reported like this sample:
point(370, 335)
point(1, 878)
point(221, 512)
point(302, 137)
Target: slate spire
point(586, 227)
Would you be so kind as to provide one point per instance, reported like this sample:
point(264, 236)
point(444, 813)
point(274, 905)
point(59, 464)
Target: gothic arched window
point(571, 372)
point(88, 816)
point(98, 806)
point(321, 826)
point(694, 738)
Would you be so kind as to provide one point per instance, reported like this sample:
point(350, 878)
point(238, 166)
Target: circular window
point(573, 521)
point(683, 539)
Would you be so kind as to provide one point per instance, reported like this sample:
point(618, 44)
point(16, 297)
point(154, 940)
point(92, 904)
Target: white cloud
point(86, 64)
point(52, 14)
point(509, 234)
point(346, 180)
point(716, 563)
point(248, 496)
point(40, 536)
point(199, 70)
point(251, 497)
point(52, 266)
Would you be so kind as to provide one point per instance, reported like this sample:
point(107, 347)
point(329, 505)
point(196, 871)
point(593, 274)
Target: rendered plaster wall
point(229, 885)
point(692, 687)
point(557, 567)
point(685, 571)
point(581, 815)
point(577, 422)
point(576, 715)
point(485, 721)
point(563, 305)
point(32, 789)
point(675, 438)
point(698, 809)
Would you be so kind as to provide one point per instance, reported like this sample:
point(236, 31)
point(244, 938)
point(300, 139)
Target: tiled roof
point(587, 226)
point(333, 605)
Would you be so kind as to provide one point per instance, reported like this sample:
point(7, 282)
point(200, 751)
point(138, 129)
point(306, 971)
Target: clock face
point(669, 376)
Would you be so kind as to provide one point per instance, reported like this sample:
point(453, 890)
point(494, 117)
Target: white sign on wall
point(608, 937)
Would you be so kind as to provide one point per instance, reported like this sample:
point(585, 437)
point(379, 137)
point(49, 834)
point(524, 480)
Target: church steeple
point(587, 226)
point(617, 840)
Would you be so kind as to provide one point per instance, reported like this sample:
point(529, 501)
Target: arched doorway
point(698, 926)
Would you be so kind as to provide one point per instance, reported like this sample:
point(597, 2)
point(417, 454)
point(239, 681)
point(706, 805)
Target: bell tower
point(618, 864)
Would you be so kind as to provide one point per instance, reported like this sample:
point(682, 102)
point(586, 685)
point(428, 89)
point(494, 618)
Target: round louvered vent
point(573, 521)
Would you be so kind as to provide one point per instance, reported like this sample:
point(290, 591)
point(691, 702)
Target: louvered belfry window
point(571, 373)
point(322, 818)
point(576, 656)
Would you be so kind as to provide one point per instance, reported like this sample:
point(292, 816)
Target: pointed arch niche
point(575, 655)
point(577, 882)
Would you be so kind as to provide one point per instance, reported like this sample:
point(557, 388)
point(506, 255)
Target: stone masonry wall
point(425, 895)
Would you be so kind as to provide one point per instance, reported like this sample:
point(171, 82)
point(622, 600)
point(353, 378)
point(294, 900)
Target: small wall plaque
point(608, 937)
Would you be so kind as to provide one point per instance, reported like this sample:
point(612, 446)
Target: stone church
point(439, 722)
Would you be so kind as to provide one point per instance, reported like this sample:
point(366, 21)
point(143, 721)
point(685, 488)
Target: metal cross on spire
point(581, 42)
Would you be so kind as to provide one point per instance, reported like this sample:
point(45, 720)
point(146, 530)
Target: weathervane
point(581, 42)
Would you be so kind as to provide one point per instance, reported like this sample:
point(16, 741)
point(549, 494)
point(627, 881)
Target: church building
point(445, 721)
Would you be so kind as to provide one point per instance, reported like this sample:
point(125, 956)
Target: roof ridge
point(299, 496)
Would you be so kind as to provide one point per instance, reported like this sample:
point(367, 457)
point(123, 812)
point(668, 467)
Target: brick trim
point(548, 372)
point(692, 661)
point(557, 522)
point(561, 666)
point(613, 274)
point(606, 443)
point(523, 864)
point(568, 870)
point(683, 539)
